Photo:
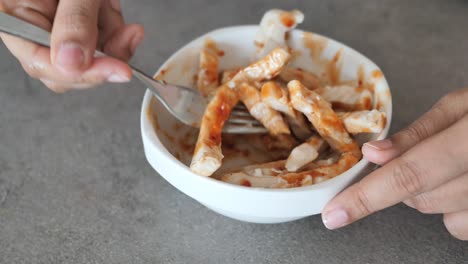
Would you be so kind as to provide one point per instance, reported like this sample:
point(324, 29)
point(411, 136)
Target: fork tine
point(242, 117)
point(244, 121)
point(243, 129)
point(240, 107)
point(238, 112)
point(241, 122)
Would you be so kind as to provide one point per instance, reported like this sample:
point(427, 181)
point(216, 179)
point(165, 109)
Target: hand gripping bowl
point(168, 144)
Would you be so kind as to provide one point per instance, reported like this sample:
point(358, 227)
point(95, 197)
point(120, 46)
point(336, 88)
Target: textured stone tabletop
point(75, 186)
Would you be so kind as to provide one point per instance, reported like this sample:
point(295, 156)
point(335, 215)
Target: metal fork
point(186, 104)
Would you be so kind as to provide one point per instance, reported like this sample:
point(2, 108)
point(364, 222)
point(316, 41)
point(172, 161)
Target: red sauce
point(168, 136)
point(316, 45)
point(287, 20)
point(177, 126)
point(377, 74)
point(384, 121)
point(334, 69)
point(371, 87)
point(365, 130)
point(161, 74)
point(332, 123)
point(378, 105)
point(187, 142)
point(367, 104)
point(259, 45)
point(361, 74)
point(151, 116)
point(246, 183)
point(362, 83)
point(222, 110)
point(342, 107)
point(359, 88)
point(211, 66)
point(295, 179)
point(221, 53)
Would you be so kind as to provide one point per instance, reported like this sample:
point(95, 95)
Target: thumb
point(443, 114)
point(74, 35)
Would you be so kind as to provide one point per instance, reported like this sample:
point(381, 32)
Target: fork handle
point(19, 28)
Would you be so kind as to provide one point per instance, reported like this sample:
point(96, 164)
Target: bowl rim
point(147, 128)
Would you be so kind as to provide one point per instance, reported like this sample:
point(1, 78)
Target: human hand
point(78, 28)
point(424, 166)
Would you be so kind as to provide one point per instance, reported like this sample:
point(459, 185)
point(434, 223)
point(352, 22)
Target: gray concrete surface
point(75, 186)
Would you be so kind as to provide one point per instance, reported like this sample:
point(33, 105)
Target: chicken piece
point(357, 122)
point(264, 69)
point(305, 153)
point(273, 168)
point(347, 98)
point(276, 96)
point(207, 81)
point(267, 177)
point(323, 118)
point(270, 118)
point(259, 175)
point(363, 121)
point(228, 75)
point(308, 79)
point(321, 163)
point(208, 155)
point(321, 173)
point(243, 179)
point(274, 26)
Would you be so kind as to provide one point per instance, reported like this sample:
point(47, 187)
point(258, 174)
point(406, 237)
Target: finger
point(444, 113)
point(64, 87)
point(124, 42)
point(110, 20)
point(39, 13)
point(54, 86)
point(429, 164)
point(447, 198)
point(116, 38)
point(103, 69)
point(35, 59)
point(74, 35)
point(457, 224)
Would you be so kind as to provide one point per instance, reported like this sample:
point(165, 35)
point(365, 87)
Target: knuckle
point(456, 99)
point(78, 18)
point(455, 230)
point(423, 204)
point(407, 176)
point(364, 204)
point(447, 99)
point(418, 131)
point(32, 64)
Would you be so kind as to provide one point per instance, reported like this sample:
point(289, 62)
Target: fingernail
point(70, 56)
point(136, 41)
point(116, 5)
point(380, 145)
point(116, 78)
point(335, 219)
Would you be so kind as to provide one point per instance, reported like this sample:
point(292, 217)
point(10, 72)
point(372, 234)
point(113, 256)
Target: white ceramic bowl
point(162, 134)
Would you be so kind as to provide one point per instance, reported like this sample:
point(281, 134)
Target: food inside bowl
point(312, 118)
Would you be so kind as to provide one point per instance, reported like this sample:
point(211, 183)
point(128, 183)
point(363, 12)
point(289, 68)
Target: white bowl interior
point(169, 144)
